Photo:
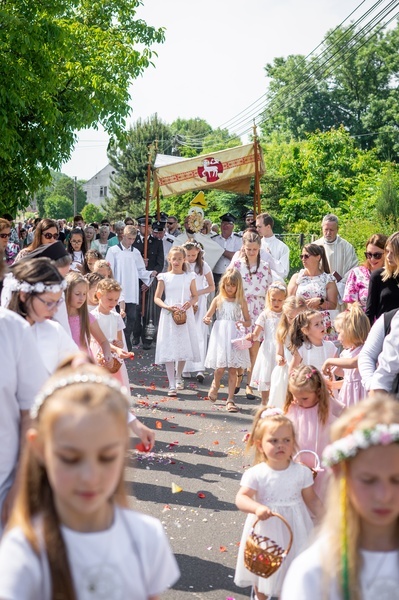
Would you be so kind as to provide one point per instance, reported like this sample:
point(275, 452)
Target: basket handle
point(316, 456)
point(274, 514)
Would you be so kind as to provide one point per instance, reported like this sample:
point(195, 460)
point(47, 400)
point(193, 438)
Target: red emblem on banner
point(211, 169)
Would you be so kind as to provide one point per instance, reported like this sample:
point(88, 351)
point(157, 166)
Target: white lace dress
point(221, 353)
point(281, 491)
point(176, 342)
point(202, 329)
point(266, 358)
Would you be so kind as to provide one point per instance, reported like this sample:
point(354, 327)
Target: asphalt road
point(199, 449)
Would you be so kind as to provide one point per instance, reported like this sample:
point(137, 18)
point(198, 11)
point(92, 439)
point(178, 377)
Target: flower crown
point(276, 285)
point(271, 412)
point(110, 382)
point(361, 439)
point(19, 285)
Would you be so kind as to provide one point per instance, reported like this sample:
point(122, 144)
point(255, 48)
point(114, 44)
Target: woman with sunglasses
point(46, 232)
point(77, 248)
point(9, 249)
point(36, 293)
point(357, 283)
point(383, 293)
point(317, 286)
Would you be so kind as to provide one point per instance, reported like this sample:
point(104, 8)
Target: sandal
point(231, 406)
point(249, 394)
point(238, 383)
point(213, 392)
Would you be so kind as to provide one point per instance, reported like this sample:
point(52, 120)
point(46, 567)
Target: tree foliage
point(58, 207)
point(353, 84)
point(61, 185)
point(92, 213)
point(65, 65)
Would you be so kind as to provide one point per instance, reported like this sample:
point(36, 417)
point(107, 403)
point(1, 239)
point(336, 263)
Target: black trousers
point(132, 315)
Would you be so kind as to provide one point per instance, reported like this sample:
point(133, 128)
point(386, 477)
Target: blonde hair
point(307, 377)
point(103, 264)
point(108, 285)
point(275, 287)
point(389, 270)
point(379, 409)
point(232, 277)
point(175, 250)
point(297, 335)
point(354, 323)
point(259, 427)
point(292, 303)
point(36, 496)
point(129, 230)
point(73, 279)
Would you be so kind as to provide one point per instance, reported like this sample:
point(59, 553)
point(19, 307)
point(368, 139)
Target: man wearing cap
point(159, 232)
point(229, 241)
point(155, 263)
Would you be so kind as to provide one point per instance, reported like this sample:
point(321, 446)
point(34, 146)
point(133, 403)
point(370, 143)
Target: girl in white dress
point(356, 555)
point(36, 292)
point(176, 343)
point(266, 325)
point(308, 343)
point(205, 285)
point(111, 324)
point(275, 484)
point(231, 313)
point(71, 535)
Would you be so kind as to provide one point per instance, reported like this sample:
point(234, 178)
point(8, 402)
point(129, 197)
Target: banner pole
point(257, 206)
point(147, 213)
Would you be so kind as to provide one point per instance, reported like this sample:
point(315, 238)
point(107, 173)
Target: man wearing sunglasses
point(173, 226)
point(341, 254)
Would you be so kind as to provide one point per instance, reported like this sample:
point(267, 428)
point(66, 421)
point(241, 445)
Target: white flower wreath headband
point(361, 439)
point(19, 285)
point(110, 382)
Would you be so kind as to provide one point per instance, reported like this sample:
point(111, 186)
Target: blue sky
point(212, 62)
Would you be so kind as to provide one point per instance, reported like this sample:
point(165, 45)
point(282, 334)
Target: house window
point(103, 191)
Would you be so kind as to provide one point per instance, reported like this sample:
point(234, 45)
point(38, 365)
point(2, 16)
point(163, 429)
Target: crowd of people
point(319, 350)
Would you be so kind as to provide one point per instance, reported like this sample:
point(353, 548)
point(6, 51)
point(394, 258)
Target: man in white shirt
point(340, 254)
point(279, 251)
point(128, 267)
point(229, 241)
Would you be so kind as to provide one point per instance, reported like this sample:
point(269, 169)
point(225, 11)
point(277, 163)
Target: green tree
point(130, 159)
point(387, 204)
point(351, 84)
point(91, 213)
point(66, 65)
point(58, 207)
point(65, 186)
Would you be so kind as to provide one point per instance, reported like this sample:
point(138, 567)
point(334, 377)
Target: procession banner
point(229, 170)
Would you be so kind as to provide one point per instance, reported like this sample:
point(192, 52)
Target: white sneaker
point(179, 384)
point(172, 392)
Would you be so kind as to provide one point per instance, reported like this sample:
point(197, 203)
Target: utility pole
point(75, 209)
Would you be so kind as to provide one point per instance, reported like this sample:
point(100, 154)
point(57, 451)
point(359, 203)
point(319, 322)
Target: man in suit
point(154, 262)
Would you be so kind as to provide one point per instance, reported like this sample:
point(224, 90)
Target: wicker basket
point(179, 316)
point(116, 362)
point(263, 556)
point(316, 469)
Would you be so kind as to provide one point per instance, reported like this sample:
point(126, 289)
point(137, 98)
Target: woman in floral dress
point(317, 286)
point(357, 283)
point(257, 277)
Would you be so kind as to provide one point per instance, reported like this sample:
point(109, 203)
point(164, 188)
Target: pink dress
point(74, 324)
point(352, 390)
point(312, 435)
point(256, 283)
point(357, 286)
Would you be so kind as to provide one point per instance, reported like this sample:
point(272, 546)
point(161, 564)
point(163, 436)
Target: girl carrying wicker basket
point(356, 555)
point(274, 485)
